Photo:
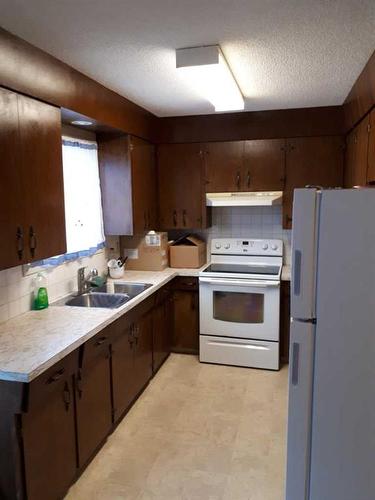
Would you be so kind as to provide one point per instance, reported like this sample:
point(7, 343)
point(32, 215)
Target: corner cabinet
point(32, 216)
point(356, 155)
point(181, 181)
point(128, 184)
point(316, 161)
point(185, 338)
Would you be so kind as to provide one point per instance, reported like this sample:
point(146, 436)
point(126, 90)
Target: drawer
point(97, 345)
point(52, 379)
point(185, 283)
point(239, 352)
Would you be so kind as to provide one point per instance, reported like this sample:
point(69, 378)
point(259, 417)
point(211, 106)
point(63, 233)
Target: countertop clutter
point(34, 341)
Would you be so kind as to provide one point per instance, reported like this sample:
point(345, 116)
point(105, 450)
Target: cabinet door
point(94, 406)
point(11, 180)
point(142, 370)
point(41, 159)
point(314, 161)
point(224, 166)
point(371, 150)
point(186, 322)
point(143, 185)
point(161, 332)
point(356, 155)
point(182, 204)
point(264, 165)
point(49, 442)
point(123, 387)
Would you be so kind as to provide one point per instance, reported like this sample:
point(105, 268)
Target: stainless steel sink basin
point(130, 289)
point(111, 301)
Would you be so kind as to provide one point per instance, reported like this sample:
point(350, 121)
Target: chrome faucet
point(84, 283)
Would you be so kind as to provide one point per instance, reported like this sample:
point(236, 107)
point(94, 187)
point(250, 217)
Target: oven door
point(239, 308)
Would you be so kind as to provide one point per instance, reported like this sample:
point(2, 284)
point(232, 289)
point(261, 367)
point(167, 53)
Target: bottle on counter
point(40, 292)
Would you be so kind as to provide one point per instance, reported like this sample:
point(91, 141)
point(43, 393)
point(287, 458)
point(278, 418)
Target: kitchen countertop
point(34, 341)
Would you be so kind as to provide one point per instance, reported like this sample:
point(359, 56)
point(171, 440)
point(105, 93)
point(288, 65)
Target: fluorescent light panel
point(208, 72)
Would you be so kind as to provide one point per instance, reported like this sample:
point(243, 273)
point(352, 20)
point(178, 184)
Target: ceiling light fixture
point(208, 71)
point(83, 123)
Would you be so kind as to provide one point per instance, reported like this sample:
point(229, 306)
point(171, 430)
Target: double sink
point(111, 295)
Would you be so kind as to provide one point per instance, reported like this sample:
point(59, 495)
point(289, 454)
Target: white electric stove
point(240, 303)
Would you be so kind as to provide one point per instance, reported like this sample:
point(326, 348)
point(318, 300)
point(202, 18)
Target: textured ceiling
point(283, 53)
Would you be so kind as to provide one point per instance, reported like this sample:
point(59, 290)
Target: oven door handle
point(247, 283)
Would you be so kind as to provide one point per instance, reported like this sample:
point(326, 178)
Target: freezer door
point(343, 421)
point(305, 210)
point(299, 412)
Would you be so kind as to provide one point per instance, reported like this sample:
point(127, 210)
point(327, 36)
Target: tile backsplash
point(249, 222)
point(17, 290)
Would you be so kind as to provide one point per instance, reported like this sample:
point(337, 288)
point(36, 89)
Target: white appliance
point(245, 199)
point(331, 422)
point(239, 294)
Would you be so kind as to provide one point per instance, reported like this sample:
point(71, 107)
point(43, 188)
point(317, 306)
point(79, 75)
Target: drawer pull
point(56, 376)
point(100, 341)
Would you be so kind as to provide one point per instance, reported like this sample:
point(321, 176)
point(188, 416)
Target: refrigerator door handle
point(297, 272)
point(295, 363)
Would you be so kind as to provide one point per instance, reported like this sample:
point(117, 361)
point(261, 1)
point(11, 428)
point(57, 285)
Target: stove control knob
point(274, 247)
point(265, 246)
point(217, 245)
point(227, 246)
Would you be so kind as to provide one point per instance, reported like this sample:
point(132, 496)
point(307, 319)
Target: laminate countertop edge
point(34, 341)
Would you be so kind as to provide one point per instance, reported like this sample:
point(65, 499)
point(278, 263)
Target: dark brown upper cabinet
point(128, 184)
point(314, 161)
point(182, 203)
point(371, 149)
point(32, 219)
point(224, 166)
point(356, 155)
point(257, 165)
point(264, 165)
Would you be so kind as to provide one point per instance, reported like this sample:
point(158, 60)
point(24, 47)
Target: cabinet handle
point(174, 217)
point(66, 396)
point(100, 341)
point(145, 220)
point(56, 376)
point(238, 180)
point(184, 217)
point(149, 219)
point(19, 236)
point(288, 219)
point(32, 241)
point(79, 385)
point(248, 178)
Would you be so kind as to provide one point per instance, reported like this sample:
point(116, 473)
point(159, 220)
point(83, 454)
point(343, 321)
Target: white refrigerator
point(331, 419)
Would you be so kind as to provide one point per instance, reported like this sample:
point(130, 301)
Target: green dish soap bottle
point(41, 294)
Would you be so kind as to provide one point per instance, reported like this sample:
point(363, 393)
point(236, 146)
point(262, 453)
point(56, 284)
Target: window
point(83, 203)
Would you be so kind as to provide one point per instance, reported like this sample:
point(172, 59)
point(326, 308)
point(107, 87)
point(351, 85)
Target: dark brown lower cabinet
point(162, 317)
point(93, 396)
point(131, 356)
point(122, 370)
point(48, 433)
point(284, 321)
point(185, 338)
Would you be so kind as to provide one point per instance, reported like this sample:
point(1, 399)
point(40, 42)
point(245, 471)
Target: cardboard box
point(189, 252)
point(146, 253)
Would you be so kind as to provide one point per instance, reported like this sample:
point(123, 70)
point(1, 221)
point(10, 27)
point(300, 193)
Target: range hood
point(249, 199)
